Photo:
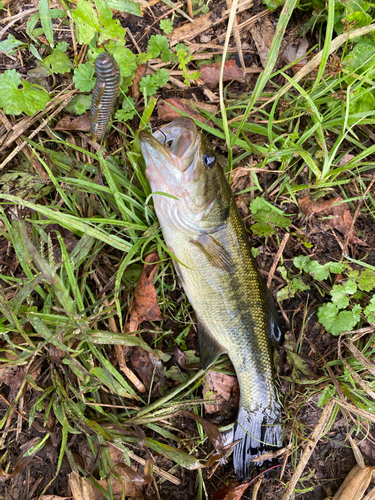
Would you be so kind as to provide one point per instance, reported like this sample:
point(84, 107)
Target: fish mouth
point(173, 146)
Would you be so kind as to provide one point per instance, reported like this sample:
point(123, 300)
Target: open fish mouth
point(173, 146)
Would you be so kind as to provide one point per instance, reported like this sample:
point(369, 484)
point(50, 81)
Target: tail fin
point(260, 432)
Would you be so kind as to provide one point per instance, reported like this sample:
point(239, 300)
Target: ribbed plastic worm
point(105, 93)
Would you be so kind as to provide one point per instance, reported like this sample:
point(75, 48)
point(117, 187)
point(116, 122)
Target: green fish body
point(236, 314)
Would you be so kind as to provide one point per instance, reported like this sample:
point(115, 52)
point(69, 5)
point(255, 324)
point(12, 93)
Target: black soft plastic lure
point(105, 93)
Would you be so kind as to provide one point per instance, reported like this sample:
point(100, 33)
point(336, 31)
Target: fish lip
point(152, 146)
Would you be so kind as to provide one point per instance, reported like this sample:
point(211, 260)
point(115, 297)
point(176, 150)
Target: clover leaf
point(83, 77)
point(14, 100)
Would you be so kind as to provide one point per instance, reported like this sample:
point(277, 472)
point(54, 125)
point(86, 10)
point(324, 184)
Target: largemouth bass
point(203, 230)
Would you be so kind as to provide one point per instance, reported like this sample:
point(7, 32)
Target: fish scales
point(221, 301)
point(203, 230)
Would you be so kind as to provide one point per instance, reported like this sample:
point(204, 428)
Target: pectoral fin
point(209, 348)
point(214, 252)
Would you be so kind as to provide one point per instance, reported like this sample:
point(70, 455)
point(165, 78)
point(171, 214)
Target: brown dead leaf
point(180, 358)
point(210, 73)
point(150, 369)
point(82, 123)
point(81, 487)
point(355, 484)
point(342, 219)
point(216, 439)
point(21, 461)
point(345, 159)
point(220, 387)
point(367, 448)
point(310, 207)
point(145, 306)
point(123, 486)
point(231, 491)
point(167, 113)
point(295, 50)
point(263, 34)
point(9, 376)
point(139, 74)
point(210, 108)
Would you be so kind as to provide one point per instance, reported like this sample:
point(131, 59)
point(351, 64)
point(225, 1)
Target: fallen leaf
point(210, 73)
point(231, 491)
point(310, 207)
point(167, 113)
point(345, 159)
point(126, 482)
point(356, 484)
point(367, 448)
point(210, 108)
point(263, 34)
point(145, 306)
point(81, 487)
point(21, 461)
point(222, 388)
point(82, 123)
point(139, 74)
point(296, 50)
point(342, 219)
point(186, 359)
point(149, 368)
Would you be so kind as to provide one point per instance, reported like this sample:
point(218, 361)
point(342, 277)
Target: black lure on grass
point(104, 94)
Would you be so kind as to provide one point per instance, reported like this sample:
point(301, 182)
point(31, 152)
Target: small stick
point(237, 37)
point(256, 488)
point(309, 448)
point(277, 258)
point(190, 8)
point(37, 130)
point(14, 19)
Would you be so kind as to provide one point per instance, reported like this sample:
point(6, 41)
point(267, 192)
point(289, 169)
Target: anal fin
point(209, 348)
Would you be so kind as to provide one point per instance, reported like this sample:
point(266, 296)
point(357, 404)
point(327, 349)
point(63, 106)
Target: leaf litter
point(341, 219)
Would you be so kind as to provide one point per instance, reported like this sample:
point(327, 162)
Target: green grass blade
point(45, 19)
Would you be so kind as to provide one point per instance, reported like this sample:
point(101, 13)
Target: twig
point(24, 124)
point(180, 4)
point(181, 12)
point(237, 37)
point(190, 8)
point(310, 446)
point(256, 488)
point(15, 18)
point(187, 31)
point(284, 241)
point(37, 130)
point(129, 33)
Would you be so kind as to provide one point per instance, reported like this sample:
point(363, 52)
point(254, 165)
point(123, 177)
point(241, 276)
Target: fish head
point(181, 163)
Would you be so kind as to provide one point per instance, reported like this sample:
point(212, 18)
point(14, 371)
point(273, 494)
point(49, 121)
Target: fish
point(235, 313)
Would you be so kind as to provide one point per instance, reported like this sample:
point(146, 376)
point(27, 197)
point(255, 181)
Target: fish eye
point(209, 160)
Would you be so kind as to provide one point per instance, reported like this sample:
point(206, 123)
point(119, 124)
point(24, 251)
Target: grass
point(57, 312)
